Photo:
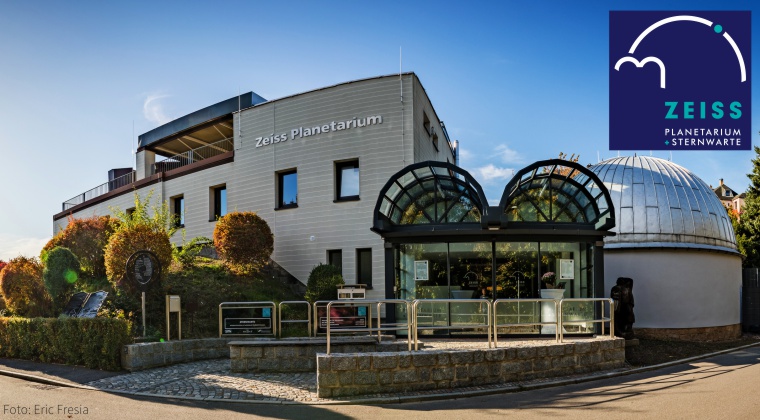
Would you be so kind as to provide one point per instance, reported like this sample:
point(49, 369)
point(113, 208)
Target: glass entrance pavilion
point(443, 240)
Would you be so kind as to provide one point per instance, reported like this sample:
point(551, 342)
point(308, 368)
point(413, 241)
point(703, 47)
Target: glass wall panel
point(423, 274)
point(471, 268)
point(516, 270)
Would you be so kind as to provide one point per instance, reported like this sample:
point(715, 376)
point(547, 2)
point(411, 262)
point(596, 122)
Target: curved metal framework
point(557, 192)
point(429, 193)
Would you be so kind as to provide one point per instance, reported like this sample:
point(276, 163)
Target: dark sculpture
point(622, 294)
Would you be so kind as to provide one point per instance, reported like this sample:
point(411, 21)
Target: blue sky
point(514, 81)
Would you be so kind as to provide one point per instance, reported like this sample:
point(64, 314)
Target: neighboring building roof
point(661, 204)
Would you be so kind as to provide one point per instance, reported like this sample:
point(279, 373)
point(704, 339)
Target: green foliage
point(87, 239)
point(60, 274)
point(185, 255)
point(244, 239)
point(138, 231)
point(748, 229)
point(323, 283)
point(95, 343)
point(22, 287)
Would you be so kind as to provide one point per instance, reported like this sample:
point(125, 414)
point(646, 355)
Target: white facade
point(381, 123)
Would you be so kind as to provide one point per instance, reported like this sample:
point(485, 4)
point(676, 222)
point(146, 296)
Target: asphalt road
point(722, 387)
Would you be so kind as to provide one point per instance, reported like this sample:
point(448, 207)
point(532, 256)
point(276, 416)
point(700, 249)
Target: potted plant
point(552, 291)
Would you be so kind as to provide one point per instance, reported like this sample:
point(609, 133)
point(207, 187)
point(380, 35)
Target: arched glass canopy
point(429, 193)
point(557, 192)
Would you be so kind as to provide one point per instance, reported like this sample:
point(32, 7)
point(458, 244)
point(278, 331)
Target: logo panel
point(680, 81)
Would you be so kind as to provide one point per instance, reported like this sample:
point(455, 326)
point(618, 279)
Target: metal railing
point(415, 317)
point(379, 302)
point(100, 190)
point(531, 302)
point(250, 305)
point(601, 320)
point(194, 155)
point(294, 321)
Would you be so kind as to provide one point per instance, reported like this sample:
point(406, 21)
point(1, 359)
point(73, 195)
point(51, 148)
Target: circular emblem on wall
point(143, 268)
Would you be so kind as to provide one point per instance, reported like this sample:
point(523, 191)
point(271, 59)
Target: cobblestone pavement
point(213, 380)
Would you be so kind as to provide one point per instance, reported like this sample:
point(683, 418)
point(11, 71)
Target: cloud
point(12, 246)
point(153, 110)
point(492, 173)
point(465, 155)
point(508, 155)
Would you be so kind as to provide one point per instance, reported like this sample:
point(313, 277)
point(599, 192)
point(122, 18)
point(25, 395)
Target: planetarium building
point(310, 164)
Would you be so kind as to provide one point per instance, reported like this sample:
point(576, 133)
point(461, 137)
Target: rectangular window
point(178, 211)
point(218, 202)
point(347, 180)
point(287, 189)
point(335, 257)
point(364, 267)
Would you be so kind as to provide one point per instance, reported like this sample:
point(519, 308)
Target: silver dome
point(661, 204)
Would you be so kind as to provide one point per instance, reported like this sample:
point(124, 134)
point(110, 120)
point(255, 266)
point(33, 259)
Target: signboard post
point(143, 267)
point(173, 305)
point(247, 318)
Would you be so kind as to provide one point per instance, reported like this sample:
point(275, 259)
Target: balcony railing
point(100, 190)
point(174, 162)
point(192, 156)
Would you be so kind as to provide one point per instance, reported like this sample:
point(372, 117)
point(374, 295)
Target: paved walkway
point(212, 380)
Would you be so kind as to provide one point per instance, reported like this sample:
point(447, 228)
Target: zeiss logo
point(680, 81)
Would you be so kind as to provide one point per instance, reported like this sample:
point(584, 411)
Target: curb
point(396, 399)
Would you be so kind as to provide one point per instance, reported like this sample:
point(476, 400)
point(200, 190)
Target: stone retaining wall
point(141, 356)
point(723, 333)
point(341, 375)
point(299, 355)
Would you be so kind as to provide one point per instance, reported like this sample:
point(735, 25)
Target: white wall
point(678, 288)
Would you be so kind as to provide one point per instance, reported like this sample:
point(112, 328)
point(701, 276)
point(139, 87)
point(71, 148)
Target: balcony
point(169, 164)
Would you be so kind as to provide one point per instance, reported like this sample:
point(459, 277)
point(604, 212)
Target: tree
point(748, 228)
point(244, 239)
point(87, 239)
point(60, 273)
point(138, 231)
point(22, 287)
point(323, 283)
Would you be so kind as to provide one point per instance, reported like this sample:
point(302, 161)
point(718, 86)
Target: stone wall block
point(251, 352)
point(365, 377)
point(269, 365)
point(323, 363)
point(385, 377)
point(404, 376)
point(341, 362)
point(461, 357)
point(542, 364)
point(424, 359)
point(346, 377)
point(384, 361)
point(444, 358)
point(564, 361)
point(541, 351)
point(405, 360)
point(363, 362)
point(442, 374)
point(423, 374)
point(461, 372)
point(479, 370)
point(526, 352)
point(582, 347)
point(555, 350)
point(495, 355)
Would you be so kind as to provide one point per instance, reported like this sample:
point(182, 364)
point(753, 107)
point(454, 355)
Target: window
point(178, 211)
point(335, 257)
point(130, 211)
point(218, 205)
point(287, 189)
point(364, 267)
point(426, 123)
point(347, 180)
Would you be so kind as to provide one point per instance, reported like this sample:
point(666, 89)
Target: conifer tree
point(748, 229)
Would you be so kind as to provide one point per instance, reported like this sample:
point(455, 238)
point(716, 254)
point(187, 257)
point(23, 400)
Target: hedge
point(95, 343)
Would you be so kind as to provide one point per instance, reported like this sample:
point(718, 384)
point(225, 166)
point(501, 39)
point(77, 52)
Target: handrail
point(193, 155)
point(600, 320)
point(379, 328)
point(496, 324)
point(294, 321)
point(488, 324)
point(101, 189)
point(250, 305)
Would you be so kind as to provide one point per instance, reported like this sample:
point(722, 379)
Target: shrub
point(61, 272)
point(87, 239)
point(323, 283)
point(96, 343)
point(138, 231)
point(128, 240)
point(244, 239)
point(22, 287)
point(185, 255)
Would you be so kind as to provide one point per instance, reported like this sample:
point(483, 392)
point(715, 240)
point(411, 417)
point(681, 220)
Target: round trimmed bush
point(22, 288)
point(323, 283)
point(87, 239)
point(61, 273)
point(128, 240)
point(243, 239)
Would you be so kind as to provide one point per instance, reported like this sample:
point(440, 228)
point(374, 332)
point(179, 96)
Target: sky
point(514, 82)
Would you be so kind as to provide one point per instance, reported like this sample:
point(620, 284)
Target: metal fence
point(379, 328)
point(101, 189)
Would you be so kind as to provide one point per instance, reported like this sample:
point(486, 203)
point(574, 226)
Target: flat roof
point(201, 116)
